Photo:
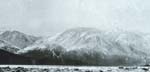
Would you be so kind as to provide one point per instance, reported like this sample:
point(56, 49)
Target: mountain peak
point(17, 38)
point(11, 32)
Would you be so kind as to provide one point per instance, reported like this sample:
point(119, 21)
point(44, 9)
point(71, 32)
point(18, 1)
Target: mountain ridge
point(17, 38)
point(12, 41)
point(92, 46)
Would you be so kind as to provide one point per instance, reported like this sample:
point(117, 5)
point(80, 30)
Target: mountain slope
point(94, 47)
point(8, 47)
point(18, 39)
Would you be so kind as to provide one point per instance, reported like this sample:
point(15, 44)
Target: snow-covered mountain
point(95, 47)
point(18, 39)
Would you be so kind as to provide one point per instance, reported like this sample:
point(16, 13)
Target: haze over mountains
point(81, 46)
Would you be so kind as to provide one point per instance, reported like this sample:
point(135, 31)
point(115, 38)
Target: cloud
point(48, 17)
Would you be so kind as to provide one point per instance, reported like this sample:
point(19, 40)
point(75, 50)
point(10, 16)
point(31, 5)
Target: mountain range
point(81, 46)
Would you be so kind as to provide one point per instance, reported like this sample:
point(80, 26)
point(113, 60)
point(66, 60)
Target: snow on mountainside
point(8, 47)
point(98, 47)
point(17, 39)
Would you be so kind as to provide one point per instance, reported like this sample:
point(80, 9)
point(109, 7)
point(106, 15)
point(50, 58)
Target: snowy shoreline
point(61, 68)
point(67, 66)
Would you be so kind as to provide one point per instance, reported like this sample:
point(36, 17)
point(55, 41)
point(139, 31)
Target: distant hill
point(18, 39)
point(12, 41)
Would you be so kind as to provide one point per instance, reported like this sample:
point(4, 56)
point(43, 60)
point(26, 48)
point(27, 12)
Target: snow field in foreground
point(50, 68)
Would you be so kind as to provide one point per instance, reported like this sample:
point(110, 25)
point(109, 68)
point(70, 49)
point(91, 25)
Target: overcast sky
point(48, 17)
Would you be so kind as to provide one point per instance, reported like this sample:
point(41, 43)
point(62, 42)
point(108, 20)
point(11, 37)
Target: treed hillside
point(10, 58)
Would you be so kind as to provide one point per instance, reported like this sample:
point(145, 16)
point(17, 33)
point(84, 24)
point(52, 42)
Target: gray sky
point(48, 17)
